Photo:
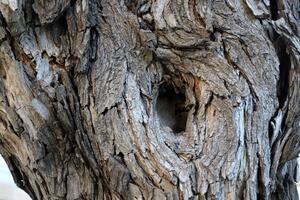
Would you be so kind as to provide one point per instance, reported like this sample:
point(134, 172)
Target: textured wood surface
point(151, 99)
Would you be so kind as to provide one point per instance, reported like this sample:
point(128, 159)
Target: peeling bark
point(152, 99)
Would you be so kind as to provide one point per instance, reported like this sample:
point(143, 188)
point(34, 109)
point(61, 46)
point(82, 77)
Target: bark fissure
point(274, 9)
point(284, 70)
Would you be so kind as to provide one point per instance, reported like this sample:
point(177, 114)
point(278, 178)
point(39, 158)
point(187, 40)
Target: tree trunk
point(141, 99)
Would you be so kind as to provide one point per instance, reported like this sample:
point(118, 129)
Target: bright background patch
point(8, 189)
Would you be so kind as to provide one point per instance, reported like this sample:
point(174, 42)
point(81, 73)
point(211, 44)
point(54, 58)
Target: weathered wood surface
point(151, 99)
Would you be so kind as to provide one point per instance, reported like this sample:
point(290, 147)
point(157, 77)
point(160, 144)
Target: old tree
point(151, 99)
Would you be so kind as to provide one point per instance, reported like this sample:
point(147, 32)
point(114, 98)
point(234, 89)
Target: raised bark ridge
point(162, 99)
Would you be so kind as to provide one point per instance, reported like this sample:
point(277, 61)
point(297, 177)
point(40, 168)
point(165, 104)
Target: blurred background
point(8, 189)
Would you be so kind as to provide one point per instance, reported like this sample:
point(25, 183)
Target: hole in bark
point(274, 9)
point(170, 107)
point(284, 69)
point(93, 44)
point(58, 28)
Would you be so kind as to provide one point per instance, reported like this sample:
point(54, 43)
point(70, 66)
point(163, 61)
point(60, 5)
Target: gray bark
point(151, 99)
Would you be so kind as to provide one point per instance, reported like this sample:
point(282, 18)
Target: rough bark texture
point(151, 99)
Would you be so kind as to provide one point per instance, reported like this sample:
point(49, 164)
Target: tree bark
point(141, 99)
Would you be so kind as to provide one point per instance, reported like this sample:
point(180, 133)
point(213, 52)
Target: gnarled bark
point(161, 99)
